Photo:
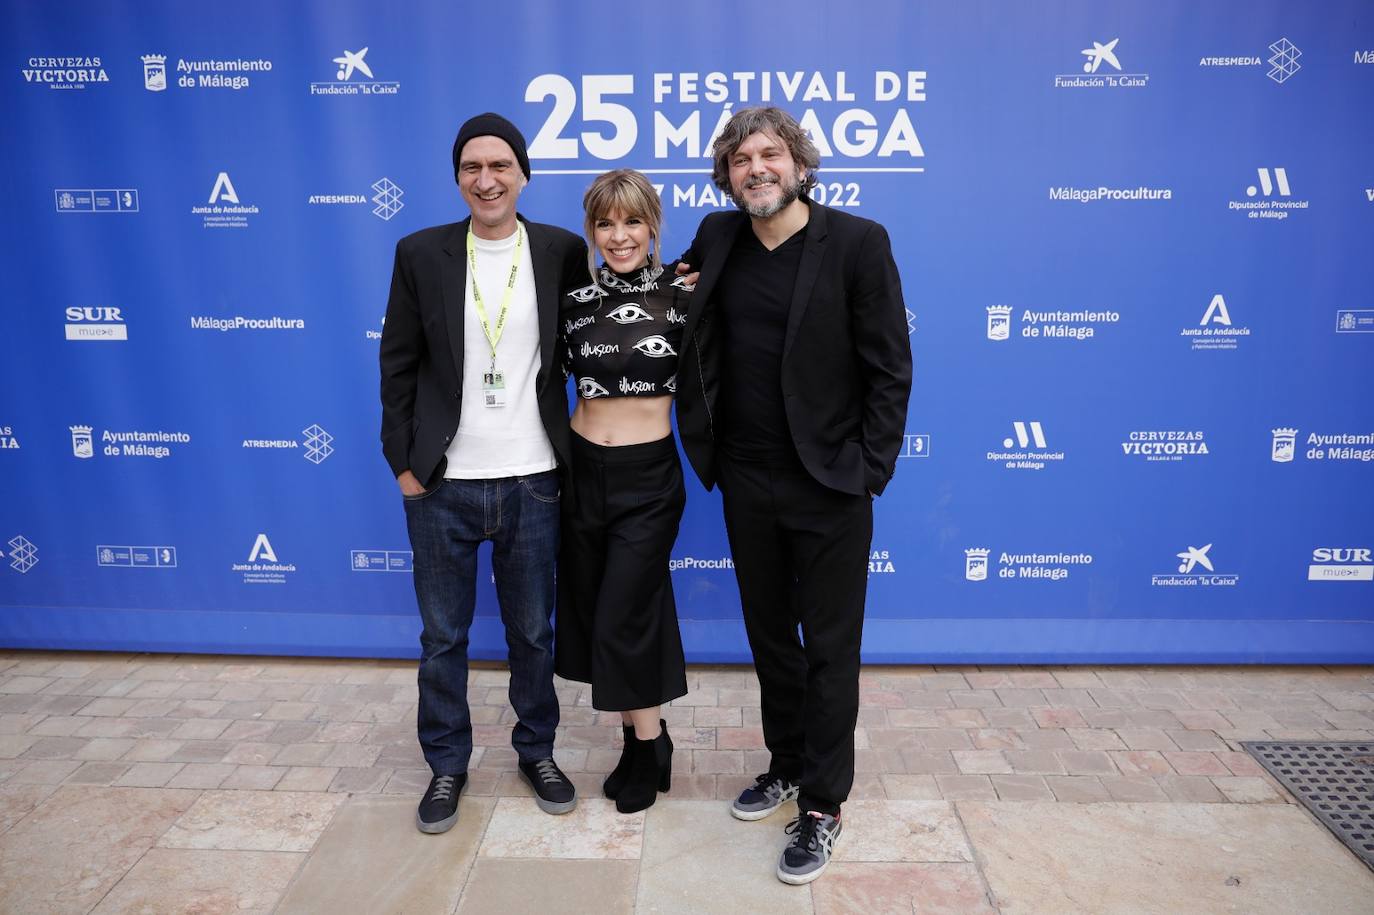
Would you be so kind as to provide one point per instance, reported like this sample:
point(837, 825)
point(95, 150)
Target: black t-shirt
point(622, 335)
point(754, 300)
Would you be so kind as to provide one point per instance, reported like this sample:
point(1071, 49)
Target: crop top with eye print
point(622, 335)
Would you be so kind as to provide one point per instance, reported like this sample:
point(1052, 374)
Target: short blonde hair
point(628, 191)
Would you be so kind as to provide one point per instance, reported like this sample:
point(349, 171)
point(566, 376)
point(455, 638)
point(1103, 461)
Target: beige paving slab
point(202, 775)
point(98, 773)
point(583, 887)
point(43, 771)
point(901, 831)
point(68, 853)
point(202, 881)
point(594, 829)
point(1166, 858)
point(149, 774)
point(307, 778)
point(900, 889)
point(372, 859)
point(16, 801)
point(911, 787)
point(253, 821)
point(1248, 790)
point(697, 858)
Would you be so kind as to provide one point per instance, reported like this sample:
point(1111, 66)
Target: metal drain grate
point(1334, 780)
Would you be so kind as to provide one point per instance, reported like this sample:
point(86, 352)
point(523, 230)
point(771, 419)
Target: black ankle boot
point(616, 780)
point(651, 771)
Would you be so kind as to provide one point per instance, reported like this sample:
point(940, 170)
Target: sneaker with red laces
point(806, 857)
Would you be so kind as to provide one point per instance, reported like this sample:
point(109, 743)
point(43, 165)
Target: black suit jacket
point(422, 342)
point(846, 357)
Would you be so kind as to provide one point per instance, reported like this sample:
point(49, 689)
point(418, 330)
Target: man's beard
point(791, 191)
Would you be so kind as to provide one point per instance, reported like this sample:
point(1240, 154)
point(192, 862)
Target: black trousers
point(801, 560)
point(616, 626)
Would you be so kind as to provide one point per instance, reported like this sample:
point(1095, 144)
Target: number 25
point(548, 144)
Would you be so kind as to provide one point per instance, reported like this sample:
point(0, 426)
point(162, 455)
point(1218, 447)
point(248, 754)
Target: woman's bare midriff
point(615, 421)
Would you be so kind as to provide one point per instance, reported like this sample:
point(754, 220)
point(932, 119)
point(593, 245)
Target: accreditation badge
point(494, 389)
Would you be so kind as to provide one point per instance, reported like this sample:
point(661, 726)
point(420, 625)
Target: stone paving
point(192, 783)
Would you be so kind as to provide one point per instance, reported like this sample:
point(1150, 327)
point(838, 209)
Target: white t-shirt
point(510, 440)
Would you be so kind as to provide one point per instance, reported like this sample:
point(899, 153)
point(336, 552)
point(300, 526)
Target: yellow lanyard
point(494, 337)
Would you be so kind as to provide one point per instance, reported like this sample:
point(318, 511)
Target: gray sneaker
point(768, 793)
point(553, 791)
point(438, 809)
point(808, 854)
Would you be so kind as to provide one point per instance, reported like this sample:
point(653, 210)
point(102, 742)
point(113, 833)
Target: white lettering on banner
point(381, 560)
point(135, 443)
point(1020, 455)
point(1283, 60)
point(1040, 566)
point(1094, 194)
point(263, 566)
point(201, 74)
point(348, 65)
point(1340, 446)
point(880, 563)
point(95, 323)
point(1187, 576)
point(1341, 564)
point(135, 557)
point(318, 444)
point(223, 208)
point(1270, 197)
point(1355, 320)
point(1078, 324)
point(1168, 445)
point(221, 66)
point(64, 72)
point(692, 562)
point(834, 194)
point(1215, 331)
point(854, 132)
point(1342, 439)
point(209, 322)
point(96, 200)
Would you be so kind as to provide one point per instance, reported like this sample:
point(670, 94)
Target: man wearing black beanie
point(475, 429)
point(492, 125)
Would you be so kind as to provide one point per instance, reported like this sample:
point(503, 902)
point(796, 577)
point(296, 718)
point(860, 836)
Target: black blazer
point(422, 342)
point(846, 357)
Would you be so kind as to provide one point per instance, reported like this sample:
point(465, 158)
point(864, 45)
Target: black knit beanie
point(491, 125)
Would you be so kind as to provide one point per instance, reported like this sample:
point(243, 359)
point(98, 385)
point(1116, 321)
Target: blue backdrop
point(1134, 239)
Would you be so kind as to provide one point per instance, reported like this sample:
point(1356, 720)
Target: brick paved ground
point(344, 730)
point(924, 733)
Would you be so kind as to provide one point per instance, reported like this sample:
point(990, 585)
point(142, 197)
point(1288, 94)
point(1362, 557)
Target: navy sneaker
point(552, 790)
point(806, 857)
point(438, 809)
point(768, 793)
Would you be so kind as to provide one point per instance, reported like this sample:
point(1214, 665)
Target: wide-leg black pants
point(616, 626)
point(801, 559)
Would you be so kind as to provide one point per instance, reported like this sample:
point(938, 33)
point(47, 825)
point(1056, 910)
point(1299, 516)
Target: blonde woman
point(617, 622)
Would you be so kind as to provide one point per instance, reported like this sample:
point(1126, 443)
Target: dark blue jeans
point(519, 515)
